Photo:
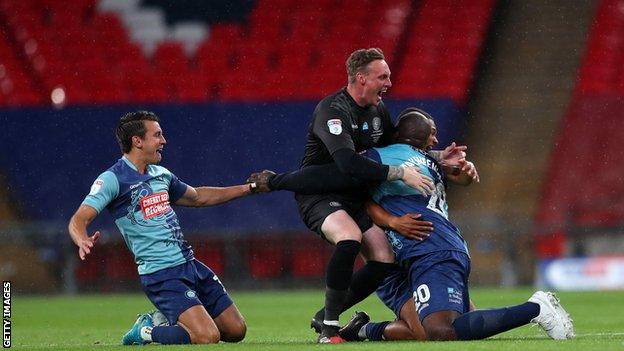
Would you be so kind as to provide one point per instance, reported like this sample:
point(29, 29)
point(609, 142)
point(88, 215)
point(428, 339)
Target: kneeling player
point(138, 193)
point(436, 277)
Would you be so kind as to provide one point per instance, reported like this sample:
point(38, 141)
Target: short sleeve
point(177, 188)
point(334, 129)
point(104, 190)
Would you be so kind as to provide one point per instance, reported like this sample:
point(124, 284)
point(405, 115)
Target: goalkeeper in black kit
point(330, 186)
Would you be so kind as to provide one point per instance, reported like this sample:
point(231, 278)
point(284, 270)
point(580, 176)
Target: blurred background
point(534, 88)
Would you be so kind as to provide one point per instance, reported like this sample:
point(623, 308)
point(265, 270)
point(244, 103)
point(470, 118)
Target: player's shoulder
point(338, 102)
point(157, 170)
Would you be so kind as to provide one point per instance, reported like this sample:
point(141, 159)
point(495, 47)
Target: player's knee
point(205, 336)
point(441, 333)
point(235, 332)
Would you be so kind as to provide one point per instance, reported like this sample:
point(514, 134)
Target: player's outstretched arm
point(210, 196)
point(78, 230)
point(409, 225)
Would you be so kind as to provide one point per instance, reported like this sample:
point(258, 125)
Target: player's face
point(152, 144)
point(433, 137)
point(377, 82)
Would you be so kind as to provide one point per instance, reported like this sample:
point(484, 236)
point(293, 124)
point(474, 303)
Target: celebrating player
point(138, 193)
point(329, 185)
point(437, 269)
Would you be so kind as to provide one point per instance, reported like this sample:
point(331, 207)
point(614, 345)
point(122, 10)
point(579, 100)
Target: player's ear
point(360, 77)
point(137, 141)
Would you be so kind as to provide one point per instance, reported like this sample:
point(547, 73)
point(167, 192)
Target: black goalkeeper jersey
point(338, 123)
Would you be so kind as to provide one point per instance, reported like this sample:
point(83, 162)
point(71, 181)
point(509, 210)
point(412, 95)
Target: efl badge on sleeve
point(335, 126)
point(97, 185)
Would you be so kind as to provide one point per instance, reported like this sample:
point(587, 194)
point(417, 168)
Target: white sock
point(333, 323)
point(146, 333)
point(362, 332)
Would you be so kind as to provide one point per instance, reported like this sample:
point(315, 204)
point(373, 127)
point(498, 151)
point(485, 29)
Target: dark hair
point(359, 60)
point(131, 124)
point(412, 127)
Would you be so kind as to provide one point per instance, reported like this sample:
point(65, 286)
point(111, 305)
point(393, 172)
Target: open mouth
point(381, 92)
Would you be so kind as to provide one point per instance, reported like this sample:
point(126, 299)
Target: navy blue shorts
point(176, 289)
point(437, 282)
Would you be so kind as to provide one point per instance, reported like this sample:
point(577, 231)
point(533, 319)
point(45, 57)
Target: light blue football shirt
point(141, 207)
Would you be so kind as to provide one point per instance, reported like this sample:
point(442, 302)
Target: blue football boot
point(133, 336)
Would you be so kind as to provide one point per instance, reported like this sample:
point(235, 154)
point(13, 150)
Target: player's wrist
point(395, 173)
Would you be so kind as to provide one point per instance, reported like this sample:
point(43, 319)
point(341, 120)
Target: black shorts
point(313, 209)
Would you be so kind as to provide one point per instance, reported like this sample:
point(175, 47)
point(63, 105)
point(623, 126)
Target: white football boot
point(555, 321)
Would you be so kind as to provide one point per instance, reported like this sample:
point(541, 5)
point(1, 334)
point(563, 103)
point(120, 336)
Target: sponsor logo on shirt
point(97, 185)
point(155, 204)
point(335, 126)
point(365, 126)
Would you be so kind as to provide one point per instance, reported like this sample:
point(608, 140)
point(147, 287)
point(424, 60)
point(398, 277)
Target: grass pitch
point(279, 320)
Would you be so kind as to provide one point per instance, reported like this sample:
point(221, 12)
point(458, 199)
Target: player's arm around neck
point(210, 196)
point(78, 230)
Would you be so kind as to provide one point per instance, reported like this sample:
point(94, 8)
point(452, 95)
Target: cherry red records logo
point(155, 204)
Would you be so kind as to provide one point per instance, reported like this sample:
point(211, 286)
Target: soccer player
point(433, 288)
point(138, 193)
point(344, 124)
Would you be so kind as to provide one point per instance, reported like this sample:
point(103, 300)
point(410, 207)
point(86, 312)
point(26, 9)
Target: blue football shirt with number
point(399, 199)
point(140, 206)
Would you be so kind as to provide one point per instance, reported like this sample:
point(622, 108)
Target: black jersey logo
point(376, 123)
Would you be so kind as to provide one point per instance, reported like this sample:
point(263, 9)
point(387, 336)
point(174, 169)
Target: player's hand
point(452, 155)
point(87, 244)
point(262, 181)
point(411, 226)
point(418, 181)
point(470, 170)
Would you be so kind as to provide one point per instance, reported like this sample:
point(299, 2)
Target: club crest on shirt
point(97, 185)
point(376, 123)
point(155, 204)
point(335, 126)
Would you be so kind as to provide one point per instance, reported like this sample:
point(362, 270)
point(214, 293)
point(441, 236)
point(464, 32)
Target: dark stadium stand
point(585, 189)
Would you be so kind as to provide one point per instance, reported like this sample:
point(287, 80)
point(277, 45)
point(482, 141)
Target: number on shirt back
point(437, 201)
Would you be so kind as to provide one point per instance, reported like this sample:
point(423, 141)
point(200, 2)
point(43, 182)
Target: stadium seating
point(109, 51)
point(261, 70)
point(584, 189)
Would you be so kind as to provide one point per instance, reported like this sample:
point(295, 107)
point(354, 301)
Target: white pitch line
point(601, 334)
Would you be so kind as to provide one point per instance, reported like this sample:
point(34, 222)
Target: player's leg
point(168, 290)
point(199, 325)
point(339, 229)
point(439, 288)
point(218, 304)
point(379, 258)
point(408, 326)
point(542, 308)
point(231, 324)
point(396, 294)
point(329, 216)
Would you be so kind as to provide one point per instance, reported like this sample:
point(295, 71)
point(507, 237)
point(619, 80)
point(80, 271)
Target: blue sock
point(170, 334)
point(481, 324)
point(374, 331)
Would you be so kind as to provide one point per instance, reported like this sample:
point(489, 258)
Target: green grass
point(278, 320)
